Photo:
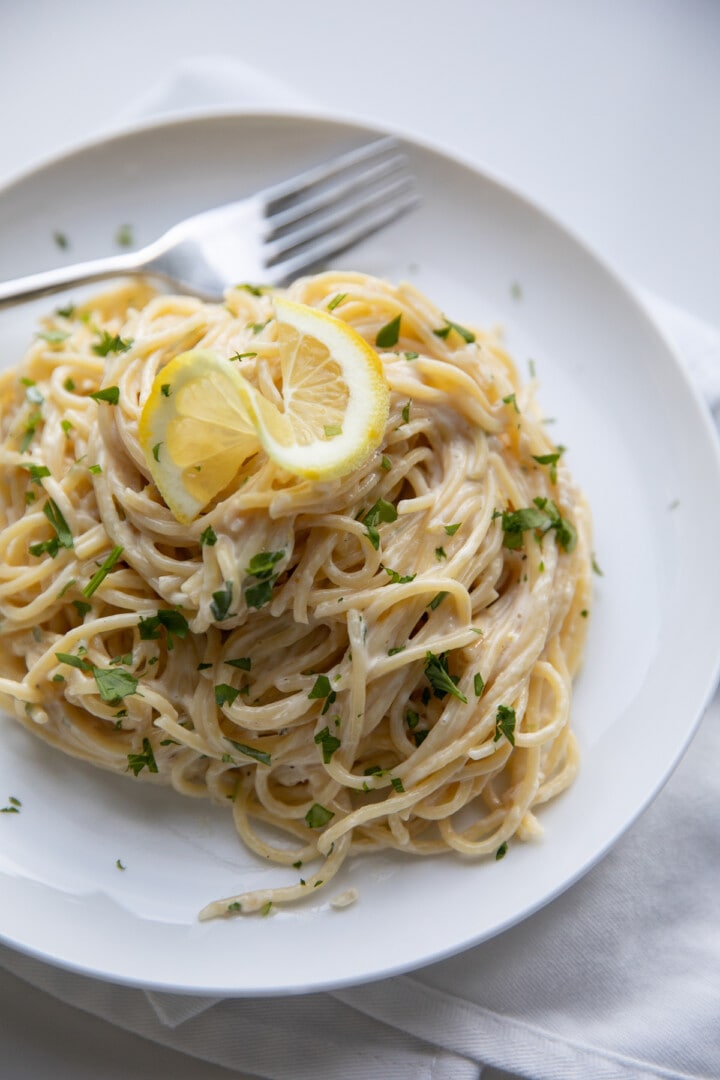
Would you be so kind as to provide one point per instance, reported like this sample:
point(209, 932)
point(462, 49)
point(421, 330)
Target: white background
point(607, 114)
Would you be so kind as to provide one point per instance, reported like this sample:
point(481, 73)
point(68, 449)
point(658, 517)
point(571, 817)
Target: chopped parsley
point(52, 512)
point(542, 517)
point(146, 760)
point(336, 301)
point(406, 411)
point(399, 579)
point(225, 694)
point(243, 356)
point(221, 601)
point(208, 536)
point(397, 784)
point(323, 690)
point(386, 463)
point(258, 327)
point(124, 236)
point(411, 355)
point(32, 425)
point(452, 529)
point(479, 684)
point(115, 685)
point(252, 751)
point(501, 851)
point(102, 572)
point(510, 399)
point(13, 806)
point(505, 721)
point(261, 568)
point(37, 472)
point(551, 460)
point(328, 742)
point(50, 546)
point(82, 607)
point(437, 600)
point(596, 568)
point(111, 343)
point(119, 864)
point(379, 511)
point(440, 554)
point(318, 815)
point(389, 335)
point(244, 663)
point(254, 290)
point(111, 395)
point(61, 240)
point(465, 334)
point(516, 290)
point(437, 674)
point(53, 337)
point(174, 622)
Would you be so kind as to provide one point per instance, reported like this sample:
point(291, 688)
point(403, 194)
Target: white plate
point(640, 444)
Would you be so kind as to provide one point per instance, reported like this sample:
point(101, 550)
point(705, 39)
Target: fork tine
point(313, 254)
point(302, 184)
point(319, 225)
point(312, 201)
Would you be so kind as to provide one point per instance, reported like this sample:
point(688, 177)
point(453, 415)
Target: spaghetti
point(382, 660)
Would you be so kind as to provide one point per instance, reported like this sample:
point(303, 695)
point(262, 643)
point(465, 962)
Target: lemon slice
point(203, 419)
point(194, 431)
point(335, 398)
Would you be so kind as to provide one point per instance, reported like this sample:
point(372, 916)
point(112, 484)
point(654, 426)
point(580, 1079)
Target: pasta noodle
point(403, 682)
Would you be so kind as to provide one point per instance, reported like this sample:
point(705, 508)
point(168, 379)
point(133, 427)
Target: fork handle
point(65, 277)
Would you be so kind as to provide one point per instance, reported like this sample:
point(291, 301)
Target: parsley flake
point(111, 395)
point(322, 689)
point(243, 663)
point(124, 236)
point(52, 512)
point(437, 674)
point(328, 742)
point(336, 301)
point(382, 510)
point(443, 332)
point(225, 694)
point(399, 579)
point(102, 572)
point(551, 460)
point(318, 815)
point(146, 760)
point(220, 604)
point(111, 343)
point(252, 751)
point(389, 335)
point(505, 721)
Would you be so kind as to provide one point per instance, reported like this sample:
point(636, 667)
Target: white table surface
point(605, 113)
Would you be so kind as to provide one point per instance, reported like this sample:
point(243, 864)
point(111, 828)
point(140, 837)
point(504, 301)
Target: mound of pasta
point(377, 660)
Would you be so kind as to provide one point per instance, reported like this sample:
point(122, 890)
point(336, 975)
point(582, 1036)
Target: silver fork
point(269, 238)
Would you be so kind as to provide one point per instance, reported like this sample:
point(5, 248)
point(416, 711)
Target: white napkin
point(618, 979)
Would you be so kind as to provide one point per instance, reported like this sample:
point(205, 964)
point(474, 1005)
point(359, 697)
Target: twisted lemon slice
point(203, 419)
